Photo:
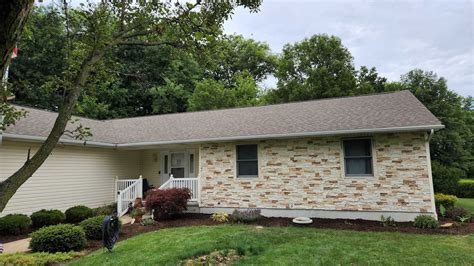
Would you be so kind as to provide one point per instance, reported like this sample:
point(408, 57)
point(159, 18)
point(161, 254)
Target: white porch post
point(140, 187)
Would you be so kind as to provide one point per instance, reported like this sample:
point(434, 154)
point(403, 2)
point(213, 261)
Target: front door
point(178, 164)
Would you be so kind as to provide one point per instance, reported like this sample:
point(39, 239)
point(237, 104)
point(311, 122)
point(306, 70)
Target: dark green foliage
point(466, 188)
point(58, 238)
point(446, 178)
point(79, 213)
point(317, 67)
point(426, 221)
point(93, 227)
point(456, 213)
point(47, 217)
point(245, 216)
point(105, 210)
point(14, 224)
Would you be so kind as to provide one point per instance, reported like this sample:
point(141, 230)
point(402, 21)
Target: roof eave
point(18, 137)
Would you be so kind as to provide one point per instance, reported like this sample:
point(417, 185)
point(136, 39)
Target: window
point(165, 164)
point(247, 160)
point(358, 157)
point(191, 164)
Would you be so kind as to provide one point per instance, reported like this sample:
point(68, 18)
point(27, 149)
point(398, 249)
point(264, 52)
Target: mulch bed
point(130, 230)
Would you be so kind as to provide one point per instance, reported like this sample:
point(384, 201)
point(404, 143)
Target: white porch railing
point(127, 191)
point(191, 183)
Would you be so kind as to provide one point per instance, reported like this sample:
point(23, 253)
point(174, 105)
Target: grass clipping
point(218, 257)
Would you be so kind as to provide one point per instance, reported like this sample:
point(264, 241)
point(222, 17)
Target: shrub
point(446, 178)
point(246, 216)
point(220, 217)
point(425, 221)
point(47, 217)
point(58, 238)
point(79, 213)
point(105, 210)
point(457, 212)
point(93, 227)
point(37, 259)
point(387, 221)
point(167, 203)
point(14, 224)
point(447, 201)
point(147, 221)
point(466, 188)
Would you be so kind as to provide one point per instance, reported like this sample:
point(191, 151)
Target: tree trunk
point(13, 183)
point(13, 15)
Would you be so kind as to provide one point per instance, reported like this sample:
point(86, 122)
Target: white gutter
point(61, 141)
point(430, 135)
point(234, 138)
point(276, 136)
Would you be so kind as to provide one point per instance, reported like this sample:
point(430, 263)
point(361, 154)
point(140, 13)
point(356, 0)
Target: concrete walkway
point(17, 246)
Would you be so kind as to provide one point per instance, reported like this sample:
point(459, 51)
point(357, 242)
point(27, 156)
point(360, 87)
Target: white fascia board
point(289, 135)
point(17, 137)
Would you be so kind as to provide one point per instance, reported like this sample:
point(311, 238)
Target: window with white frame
point(358, 157)
point(247, 160)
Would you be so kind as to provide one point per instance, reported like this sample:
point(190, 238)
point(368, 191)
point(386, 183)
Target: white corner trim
point(430, 174)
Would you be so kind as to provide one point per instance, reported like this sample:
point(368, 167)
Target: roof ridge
point(224, 109)
point(263, 106)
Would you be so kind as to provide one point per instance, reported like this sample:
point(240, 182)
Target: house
point(352, 157)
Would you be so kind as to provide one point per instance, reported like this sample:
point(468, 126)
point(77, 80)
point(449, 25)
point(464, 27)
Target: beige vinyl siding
point(71, 175)
point(150, 166)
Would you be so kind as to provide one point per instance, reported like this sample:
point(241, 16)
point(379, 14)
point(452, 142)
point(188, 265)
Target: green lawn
point(466, 203)
point(287, 246)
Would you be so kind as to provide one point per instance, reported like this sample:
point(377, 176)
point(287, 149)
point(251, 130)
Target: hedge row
point(465, 188)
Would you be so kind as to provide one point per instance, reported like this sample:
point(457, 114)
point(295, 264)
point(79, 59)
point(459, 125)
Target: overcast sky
point(393, 36)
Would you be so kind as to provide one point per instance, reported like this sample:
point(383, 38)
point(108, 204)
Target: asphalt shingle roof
point(318, 117)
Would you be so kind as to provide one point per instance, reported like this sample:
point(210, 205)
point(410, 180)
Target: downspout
point(430, 135)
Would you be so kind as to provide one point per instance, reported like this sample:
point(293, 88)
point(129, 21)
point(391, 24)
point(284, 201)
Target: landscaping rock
point(446, 225)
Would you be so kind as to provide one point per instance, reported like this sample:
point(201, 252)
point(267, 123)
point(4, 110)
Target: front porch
point(160, 168)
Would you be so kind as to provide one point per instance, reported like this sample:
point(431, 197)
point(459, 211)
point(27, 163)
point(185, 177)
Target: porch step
point(193, 207)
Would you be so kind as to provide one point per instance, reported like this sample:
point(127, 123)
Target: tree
point(13, 16)
point(368, 81)
point(233, 55)
point(102, 27)
point(318, 67)
point(452, 146)
point(212, 94)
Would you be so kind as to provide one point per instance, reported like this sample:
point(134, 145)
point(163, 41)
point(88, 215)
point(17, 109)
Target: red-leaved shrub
point(167, 203)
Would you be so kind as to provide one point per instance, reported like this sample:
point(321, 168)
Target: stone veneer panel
point(307, 173)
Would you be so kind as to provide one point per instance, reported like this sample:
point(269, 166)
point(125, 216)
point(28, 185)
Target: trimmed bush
point(466, 188)
point(105, 210)
point(425, 221)
point(14, 224)
point(457, 212)
point(93, 227)
point(47, 217)
point(167, 203)
point(246, 216)
point(446, 178)
point(447, 201)
point(58, 238)
point(78, 214)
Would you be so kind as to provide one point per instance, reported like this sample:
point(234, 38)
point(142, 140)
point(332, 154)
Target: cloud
point(393, 36)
